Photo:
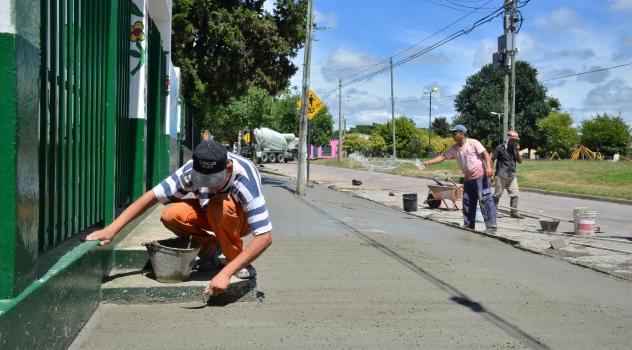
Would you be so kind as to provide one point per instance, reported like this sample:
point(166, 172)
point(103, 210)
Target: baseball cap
point(512, 135)
point(459, 128)
point(209, 164)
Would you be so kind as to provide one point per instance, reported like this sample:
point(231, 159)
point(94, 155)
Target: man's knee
point(167, 216)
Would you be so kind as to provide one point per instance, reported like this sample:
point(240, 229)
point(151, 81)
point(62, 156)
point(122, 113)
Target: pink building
point(330, 151)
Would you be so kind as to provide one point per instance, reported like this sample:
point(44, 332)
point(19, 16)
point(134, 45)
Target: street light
point(499, 125)
point(430, 115)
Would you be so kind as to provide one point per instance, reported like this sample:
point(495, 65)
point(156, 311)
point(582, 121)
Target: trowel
point(198, 305)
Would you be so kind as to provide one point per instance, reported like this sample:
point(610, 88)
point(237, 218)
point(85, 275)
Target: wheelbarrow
point(441, 192)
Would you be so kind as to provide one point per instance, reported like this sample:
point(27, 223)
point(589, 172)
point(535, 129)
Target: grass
point(595, 178)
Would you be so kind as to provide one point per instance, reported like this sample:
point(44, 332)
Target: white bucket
point(584, 221)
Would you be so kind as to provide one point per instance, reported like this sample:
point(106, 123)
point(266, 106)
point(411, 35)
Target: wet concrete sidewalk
point(345, 272)
point(608, 250)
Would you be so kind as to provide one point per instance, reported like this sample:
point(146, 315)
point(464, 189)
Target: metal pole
point(340, 120)
point(429, 123)
point(301, 176)
point(513, 65)
point(500, 130)
point(506, 93)
point(393, 110)
point(513, 88)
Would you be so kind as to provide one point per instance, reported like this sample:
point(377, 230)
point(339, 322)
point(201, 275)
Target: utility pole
point(505, 59)
point(301, 177)
point(393, 110)
point(512, 24)
point(340, 119)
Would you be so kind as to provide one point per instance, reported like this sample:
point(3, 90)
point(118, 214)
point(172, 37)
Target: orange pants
point(225, 218)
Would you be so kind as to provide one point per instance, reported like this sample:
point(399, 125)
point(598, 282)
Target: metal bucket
point(410, 202)
point(584, 221)
point(549, 225)
point(172, 259)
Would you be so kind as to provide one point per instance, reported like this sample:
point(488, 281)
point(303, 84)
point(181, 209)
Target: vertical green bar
point(43, 130)
point(61, 128)
point(112, 50)
point(50, 190)
point(83, 112)
point(77, 115)
point(90, 156)
point(70, 228)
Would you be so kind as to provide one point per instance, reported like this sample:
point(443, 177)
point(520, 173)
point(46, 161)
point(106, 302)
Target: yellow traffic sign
point(314, 105)
point(247, 137)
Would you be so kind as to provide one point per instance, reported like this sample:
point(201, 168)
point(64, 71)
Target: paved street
point(609, 250)
point(345, 272)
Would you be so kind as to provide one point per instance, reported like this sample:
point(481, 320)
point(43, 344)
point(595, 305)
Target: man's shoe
point(205, 265)
point(210, 263)
point(247, 272)
point(514, 212)
point(490, 230)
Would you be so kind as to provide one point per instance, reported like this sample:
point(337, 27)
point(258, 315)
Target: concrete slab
point(130, 253)
point(613, 235)
point(558, 244)
point(141, 287)
point(133, 282)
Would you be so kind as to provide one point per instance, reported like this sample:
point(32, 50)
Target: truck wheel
point(281, 158)
point(272, 158)
point(264, 157)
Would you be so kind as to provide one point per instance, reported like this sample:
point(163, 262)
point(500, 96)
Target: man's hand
point(490, 174)
point(105, 236)
point(218, 285)
point(517, 147)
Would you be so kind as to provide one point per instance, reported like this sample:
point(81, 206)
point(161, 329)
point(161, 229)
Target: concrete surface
point(348, 273)
point(133, 280)
point(609, 250)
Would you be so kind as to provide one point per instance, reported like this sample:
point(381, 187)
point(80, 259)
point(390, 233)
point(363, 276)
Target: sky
point(561, 39)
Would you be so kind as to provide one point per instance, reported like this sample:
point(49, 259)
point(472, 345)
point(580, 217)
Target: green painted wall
point(19, 83)
point(53, 309)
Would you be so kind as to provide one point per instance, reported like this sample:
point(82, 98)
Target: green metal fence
point(83, 114)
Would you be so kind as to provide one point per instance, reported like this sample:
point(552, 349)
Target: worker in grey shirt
point(506, 156)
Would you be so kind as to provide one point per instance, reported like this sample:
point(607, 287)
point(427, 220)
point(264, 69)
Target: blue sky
point(558, 38)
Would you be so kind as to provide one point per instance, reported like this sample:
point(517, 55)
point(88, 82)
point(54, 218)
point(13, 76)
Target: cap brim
point(209, 180)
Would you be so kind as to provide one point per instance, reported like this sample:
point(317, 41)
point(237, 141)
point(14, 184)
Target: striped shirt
point(244, 187)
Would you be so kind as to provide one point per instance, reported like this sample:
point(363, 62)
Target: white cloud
point(327, 20)
point(268, 5)
point(620, 5)
point(562, 19)
point(613, 97)
point(595, 77)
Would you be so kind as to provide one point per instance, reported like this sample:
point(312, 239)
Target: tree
point(560, 135)
point(321, 128)
point(377, 145)
point(441, 144)
point(404, 132)
point(605, 133)
point(225, 47)
point(441, 127)
point(286, 116)
point(483, 93)
point(363, 129)
point(355, 143)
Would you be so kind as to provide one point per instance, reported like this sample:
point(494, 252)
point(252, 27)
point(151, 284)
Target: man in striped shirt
point(228, 202)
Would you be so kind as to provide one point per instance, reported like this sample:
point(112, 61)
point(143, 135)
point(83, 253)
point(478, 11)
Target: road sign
point(247, 137)
point(314, 105)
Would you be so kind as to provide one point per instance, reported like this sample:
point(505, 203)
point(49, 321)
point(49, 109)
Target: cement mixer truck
point(274, 147)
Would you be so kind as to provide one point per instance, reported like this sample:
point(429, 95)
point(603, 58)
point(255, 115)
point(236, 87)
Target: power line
point(592, 71)
point(481, 21)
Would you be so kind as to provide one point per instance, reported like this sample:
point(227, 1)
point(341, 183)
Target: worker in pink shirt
point(476, 165)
